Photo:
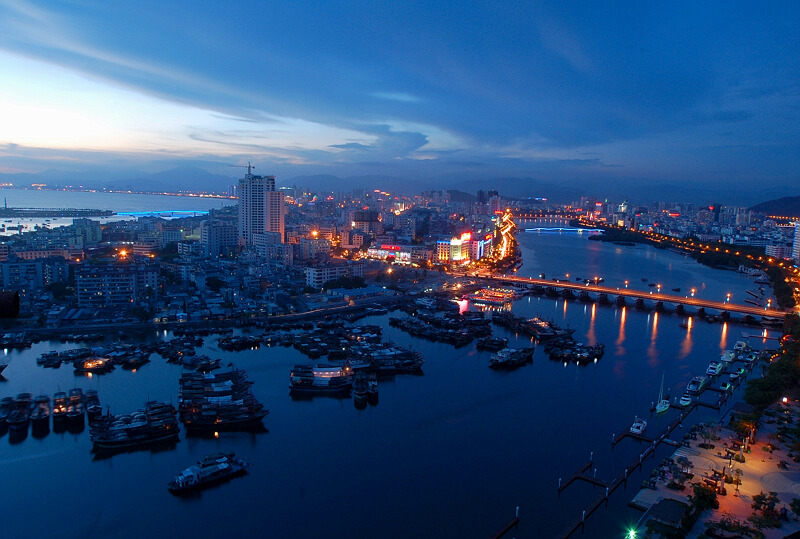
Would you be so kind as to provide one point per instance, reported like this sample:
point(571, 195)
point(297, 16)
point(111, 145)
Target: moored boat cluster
point(221, 401)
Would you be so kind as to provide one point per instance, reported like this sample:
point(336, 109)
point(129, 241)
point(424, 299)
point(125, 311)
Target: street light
point(728, 298)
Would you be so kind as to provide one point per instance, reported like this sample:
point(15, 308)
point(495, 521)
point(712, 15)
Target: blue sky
point(566, 92)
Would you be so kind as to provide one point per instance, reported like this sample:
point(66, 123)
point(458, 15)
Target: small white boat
point(686, 400)
point(663, 404)
point(727, 356)
point(638, 426)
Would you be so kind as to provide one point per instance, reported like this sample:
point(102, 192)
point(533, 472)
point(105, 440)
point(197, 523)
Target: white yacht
point(697, 384)
point(638, 426)
point(714, 368)
point(663, 404)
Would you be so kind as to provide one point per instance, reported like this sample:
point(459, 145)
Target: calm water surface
point(117, 202)
point(449, 453)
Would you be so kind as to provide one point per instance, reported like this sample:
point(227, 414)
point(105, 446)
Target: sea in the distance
point(128, 205)
point(450, 453)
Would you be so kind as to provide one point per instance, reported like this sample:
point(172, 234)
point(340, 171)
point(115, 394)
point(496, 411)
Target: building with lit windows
point(217, 236)
point(261, 207)
point(114, 285)
point(319, 275)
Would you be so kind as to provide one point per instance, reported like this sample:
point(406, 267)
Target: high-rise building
point(217, 236)
point(796, 246)
point(260, 207)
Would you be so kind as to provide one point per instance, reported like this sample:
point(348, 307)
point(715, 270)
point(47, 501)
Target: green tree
point(704, 497)
point(765, 502)
point(795, 507)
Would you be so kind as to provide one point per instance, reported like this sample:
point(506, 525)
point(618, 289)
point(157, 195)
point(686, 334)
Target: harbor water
point(449, 453)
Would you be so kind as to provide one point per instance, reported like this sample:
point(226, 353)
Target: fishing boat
point(210, 471)
point(94, 365)
point(663, 403)
point(372, 388)
point(20, 415)
point(319, 379)
point(6, 405)
point(41, 410)
point(59, 411)
point(75, 406)
point(222, 401)
point(93, 407)
point(638, 427)
point(493, 344)
point(360, 388)
point(155, 423)
point(510, 358)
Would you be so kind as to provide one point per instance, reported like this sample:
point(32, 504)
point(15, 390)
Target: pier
point(508, 527)
point(622, 478)
point(650, 449)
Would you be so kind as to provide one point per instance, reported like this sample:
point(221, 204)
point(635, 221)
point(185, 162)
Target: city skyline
point(576, 96)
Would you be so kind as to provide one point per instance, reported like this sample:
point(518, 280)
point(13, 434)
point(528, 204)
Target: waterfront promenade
point(760, 473)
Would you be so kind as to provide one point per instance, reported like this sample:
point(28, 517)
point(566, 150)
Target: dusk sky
point(558, 91)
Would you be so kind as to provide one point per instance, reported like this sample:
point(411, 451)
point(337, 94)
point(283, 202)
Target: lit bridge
point(639, 294)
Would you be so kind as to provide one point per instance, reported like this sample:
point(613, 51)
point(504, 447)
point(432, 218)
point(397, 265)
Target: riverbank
point(717, 255)
point(736, 466)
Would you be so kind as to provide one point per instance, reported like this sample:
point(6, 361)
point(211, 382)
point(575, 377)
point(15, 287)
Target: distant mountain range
point(198, 178)
point(785, 207)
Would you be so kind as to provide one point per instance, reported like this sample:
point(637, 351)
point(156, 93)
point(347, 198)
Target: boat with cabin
point(6, 406)
point(221, 401)
point(638, 427)
point(696, 385)
point(320, 379)
point(511, 358)
point(714, 368)
point(210, 471)
point(75, 406)
point(663, 403)
point(93, 407)
point(20, 415)
point(59, 411)
point(156, 422)
point(40, 415)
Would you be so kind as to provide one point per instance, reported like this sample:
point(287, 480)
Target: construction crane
point(248, 166)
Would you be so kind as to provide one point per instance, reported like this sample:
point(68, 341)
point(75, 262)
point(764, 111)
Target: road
point(638, 294)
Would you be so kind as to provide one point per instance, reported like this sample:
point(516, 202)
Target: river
point(450, 453)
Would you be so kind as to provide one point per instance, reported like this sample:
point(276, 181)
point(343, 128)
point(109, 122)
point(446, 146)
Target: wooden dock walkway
point(508, 527)
point(622, 478)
